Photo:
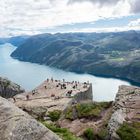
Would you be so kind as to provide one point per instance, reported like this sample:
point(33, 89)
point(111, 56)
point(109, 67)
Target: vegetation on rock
point(54, 115)
point(89, 134)
point(86, 110)
point(103, 133)
point(129, 131)
point(64, 133)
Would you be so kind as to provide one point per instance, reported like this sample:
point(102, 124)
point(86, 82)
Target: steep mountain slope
point(104, 54)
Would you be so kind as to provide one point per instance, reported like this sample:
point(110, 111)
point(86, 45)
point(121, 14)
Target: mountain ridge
point(106, 54)
point(16, 41)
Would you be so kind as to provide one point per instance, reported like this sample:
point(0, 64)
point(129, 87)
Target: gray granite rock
point(15, 124)
point(125, 107)
point(8, 89)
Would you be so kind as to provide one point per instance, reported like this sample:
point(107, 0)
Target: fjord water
point(30, 75)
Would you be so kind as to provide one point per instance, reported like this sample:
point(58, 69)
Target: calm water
point(30, 75)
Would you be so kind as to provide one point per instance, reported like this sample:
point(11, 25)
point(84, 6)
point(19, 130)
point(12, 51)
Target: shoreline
point(132, 82)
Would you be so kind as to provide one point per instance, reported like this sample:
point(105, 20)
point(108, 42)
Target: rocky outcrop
point(50, 96)
point(9, 89)
point(126, 108)
point(18, 125)
point(85, 95)
point(37, 112)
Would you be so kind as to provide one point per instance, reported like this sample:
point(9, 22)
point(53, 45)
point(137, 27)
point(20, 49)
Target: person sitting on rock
point(52, 95)
point(45, 87)
point(61, 86)
point(85, 85)
point(64, 86)
point(69, 93)
point(33, 92)
point(73, 87)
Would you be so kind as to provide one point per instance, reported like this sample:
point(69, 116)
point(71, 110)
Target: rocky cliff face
point(9, 89)
point(18, 125)
point(126, 109)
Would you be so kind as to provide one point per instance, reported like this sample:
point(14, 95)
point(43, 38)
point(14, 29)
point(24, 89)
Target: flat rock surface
point(15, 124)
point(50, 95)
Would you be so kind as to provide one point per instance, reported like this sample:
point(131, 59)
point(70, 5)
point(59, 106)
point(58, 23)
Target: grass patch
point(89, 134)
point(129, 131)
point(69, 113)
point(102, 134)
point(64, 133)
point(54, 115)
point(86, 110)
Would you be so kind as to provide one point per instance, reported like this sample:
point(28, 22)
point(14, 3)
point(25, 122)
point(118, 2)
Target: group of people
point(62, 85)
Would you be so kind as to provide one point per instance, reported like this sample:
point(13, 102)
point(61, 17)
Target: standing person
point(47, 80)
point(27, 97)
point(52, 79)
point(63, 80)
point(14, 99)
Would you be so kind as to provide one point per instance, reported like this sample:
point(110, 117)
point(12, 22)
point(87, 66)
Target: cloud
point(135, 6)
point(106, 29)
point(100, 2)
point(135, 23)
point(33, 16)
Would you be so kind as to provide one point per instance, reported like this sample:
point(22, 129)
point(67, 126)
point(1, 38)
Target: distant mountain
point(16, 41)
point(104, 54)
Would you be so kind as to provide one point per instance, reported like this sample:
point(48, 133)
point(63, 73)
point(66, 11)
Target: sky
point(20, 17)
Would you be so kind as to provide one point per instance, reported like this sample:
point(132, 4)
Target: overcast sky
point(18, 17)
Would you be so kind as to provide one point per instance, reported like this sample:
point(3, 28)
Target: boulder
point(8, 89)
point(16, 124)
